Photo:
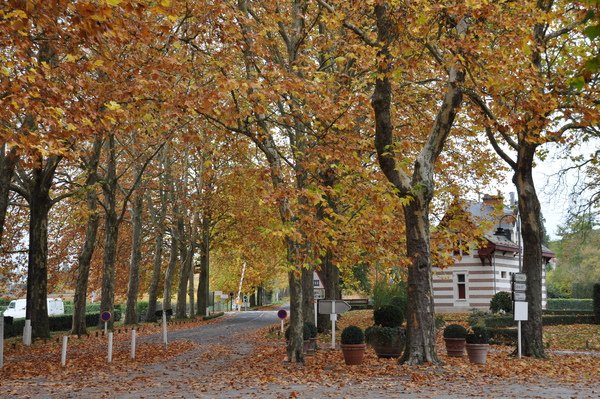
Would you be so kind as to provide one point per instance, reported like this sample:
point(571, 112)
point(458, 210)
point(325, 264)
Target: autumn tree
point(526, 100)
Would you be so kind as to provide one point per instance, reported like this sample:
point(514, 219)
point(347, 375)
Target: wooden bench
point(360, 303)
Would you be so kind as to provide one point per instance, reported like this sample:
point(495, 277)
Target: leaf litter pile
point(326, 368)
point(264, 367)
point(90, 353)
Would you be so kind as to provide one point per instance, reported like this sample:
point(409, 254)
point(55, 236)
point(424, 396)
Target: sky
point(552, 193)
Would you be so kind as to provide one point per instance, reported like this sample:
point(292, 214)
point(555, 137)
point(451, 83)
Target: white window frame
point(455, 286)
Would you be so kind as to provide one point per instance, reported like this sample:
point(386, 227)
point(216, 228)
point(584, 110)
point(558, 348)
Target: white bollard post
point(133, 338)
point(316, 301)
point(1, 341)
point(282, 326)
point(207, 311)
point(164, 328)
point(110, 346)
point(27, 333)
point(63, 356)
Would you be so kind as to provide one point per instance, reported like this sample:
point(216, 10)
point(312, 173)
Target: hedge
point(499, 322)
point(56, 323)
point(569, 304)
point(503, 336)
point(568, 312)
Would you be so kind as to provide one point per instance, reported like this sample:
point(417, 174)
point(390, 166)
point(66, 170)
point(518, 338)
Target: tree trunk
point(170, 271)
point(181, 311)
point(85, 256)
point(330, 276)
point(111, 234)
point(8, 162)
point(37, 270)
point(136, 256)
point(85, 259)
point(191, 289)
point(153, 288)
point(158, 218)
point(308, 295)
point(295, 347)
point(203, 283)
point(532, 233)
point(420, 331)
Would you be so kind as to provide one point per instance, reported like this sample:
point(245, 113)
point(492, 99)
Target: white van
point(17, 307)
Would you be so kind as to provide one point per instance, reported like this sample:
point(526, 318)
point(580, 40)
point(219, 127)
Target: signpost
point(105, 317)
point(282, 314)
point(333, 308)
point(519, 286)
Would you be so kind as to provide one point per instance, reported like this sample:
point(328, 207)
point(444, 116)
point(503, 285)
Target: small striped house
point(481, 272)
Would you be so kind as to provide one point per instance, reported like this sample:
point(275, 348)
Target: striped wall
point(481, 282)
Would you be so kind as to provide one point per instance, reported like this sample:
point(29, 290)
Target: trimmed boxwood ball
point(455, 331)
point(353, 335)
point(388, 316)
point(311, 328)
point(479, 335)
point(501, 301)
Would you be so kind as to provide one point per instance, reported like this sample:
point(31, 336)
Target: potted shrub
point(478, 345)
point(353, 345)
point(386, 336)
point(310, 337)
point(454, 337)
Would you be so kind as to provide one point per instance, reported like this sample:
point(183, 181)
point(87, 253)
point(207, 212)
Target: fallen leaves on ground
point(327, 368)
point(43, 358)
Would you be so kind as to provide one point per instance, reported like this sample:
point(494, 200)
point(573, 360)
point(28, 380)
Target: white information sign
point(521, 311)
point(329, 306)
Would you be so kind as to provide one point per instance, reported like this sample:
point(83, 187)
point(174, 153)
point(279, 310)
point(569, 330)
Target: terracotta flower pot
point(455, 347)
point(388, 351)
point(477, 353)
point(353, 353)
point(310, 346)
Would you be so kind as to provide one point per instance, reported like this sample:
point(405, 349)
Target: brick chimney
point(493, 200)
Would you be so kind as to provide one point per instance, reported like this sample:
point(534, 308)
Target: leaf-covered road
point(234, 358)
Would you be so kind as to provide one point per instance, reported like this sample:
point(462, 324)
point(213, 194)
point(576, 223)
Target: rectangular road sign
point(327, 306)
point(519, 296)
point(519, 286)
point(520, 277)
point(520, 311)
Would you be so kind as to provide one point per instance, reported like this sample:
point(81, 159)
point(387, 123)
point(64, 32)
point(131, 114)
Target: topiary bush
point(388, 316)
point(596, 298)
point(353, 335)
point(501, 301)
point(400, 301)
point(478, 335)
point(312, 329)
point(386, 336)
point(455, 331)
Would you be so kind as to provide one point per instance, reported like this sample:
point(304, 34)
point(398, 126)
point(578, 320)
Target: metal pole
point(316, 300)
point(519, 337)
point(333, 319)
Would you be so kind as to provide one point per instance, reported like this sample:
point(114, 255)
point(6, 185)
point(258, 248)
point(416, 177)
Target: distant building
point(479, 273)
